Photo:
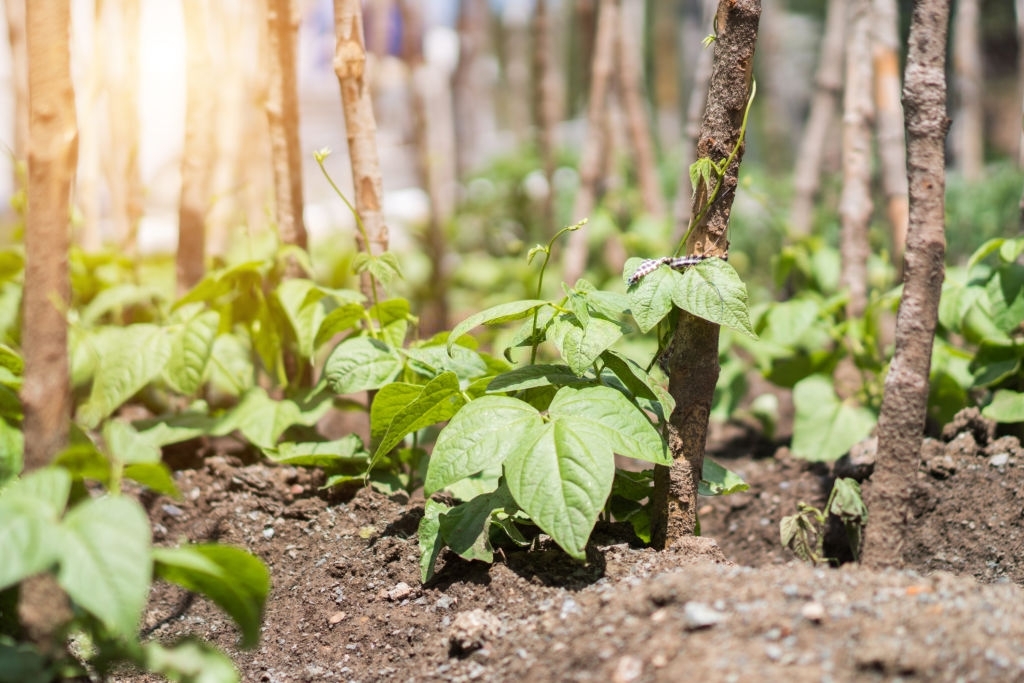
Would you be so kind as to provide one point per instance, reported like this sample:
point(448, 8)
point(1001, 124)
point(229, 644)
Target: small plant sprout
point(804, 532)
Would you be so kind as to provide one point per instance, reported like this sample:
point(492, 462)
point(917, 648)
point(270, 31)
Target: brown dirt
point(347, 605)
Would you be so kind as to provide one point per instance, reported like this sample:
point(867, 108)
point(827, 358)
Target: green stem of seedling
point(320, 155)
point(720, 171)
point(540, 278)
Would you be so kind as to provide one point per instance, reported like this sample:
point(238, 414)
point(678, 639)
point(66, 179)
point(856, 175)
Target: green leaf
point(718, 481)
point(639, 382)
point(389, 401)
point(262, 420)
point(703, 169)
point(117, 298)
point(361, 364)
point(11, 360)
point(513, 310)
point(561, 480)
point(1006, 294)
point(978, 325)
point(531, 376)
point(482, 482)
point(847, 503)
point(611, 305)
point(1007, 407)
point(300, 299)
point(581, 344)
point(191, 351)
point(106, 564)
point(384, 267)
point(341, 319)
point(431, 361)
point(984, 250)
point(795, 324)
point(1011, 250)
point(437, 401)
point(128, 361)
point(342, 479)
point(10, 310)
point(49, 486)
point(169, 429)
point(602, 415)
point(633, 486)
point(531, 332)
point(234, 579)
point(218, 283)
point(848, 506)
point(949, 309)
point(713, 290)
point(994, 363)
point(825, 428)
point(392, 317)
point(85, 461)
point(25, 663)
point(466, 527)
point(126, 445)
point(30, 509)
point(155, 476)
point(189, 661)
point(328, 455)
point(231, 368)
point(826, 267)
point(577, 304)
point(12, 448)
point(798, 533)
point(651, 299)
point(730, 390)
point(429, 536)
point(266, 332)
point(483, 434)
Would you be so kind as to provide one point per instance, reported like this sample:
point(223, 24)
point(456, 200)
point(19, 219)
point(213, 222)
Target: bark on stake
point(360, 127)
point(283, 114)
point(595, 147)
point(52, 154)
point(691, 360)
point(904, 404)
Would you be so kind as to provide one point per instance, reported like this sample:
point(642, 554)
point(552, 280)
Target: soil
point(732, 605)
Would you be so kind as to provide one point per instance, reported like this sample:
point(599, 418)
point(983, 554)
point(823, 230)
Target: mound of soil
point(733, 605)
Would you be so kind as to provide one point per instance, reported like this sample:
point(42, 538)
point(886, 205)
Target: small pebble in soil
point(628, 669)
point(337, 618)
point(999, 459)
point(472, 630)
point(175, 511)
point(400, 591)
point(698, 615)
point(444, 602)
point(268, 533)
point(813, 611)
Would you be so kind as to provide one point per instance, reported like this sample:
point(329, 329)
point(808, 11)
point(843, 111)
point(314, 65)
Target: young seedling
point(804, 532)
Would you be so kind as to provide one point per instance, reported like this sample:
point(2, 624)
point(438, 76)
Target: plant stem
point(720, 172)
point(320, 156)
point(540, 278)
